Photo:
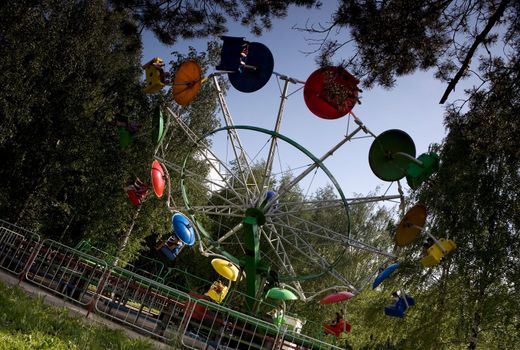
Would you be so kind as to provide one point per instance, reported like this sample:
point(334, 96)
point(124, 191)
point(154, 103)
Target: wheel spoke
point(236, 145)
point(283, 259)
point(219, 210)
point(217, 183)
point(272, 149)
point(284, 208)
point(317, 163)
point(306, 235)
point(206, 152)
point(295, 241)
point(312, 229)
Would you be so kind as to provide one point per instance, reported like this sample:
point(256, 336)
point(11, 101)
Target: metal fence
point(17, 250)
point(149, 268)
point(144, 304)
point(223, 328)
point(66, 271)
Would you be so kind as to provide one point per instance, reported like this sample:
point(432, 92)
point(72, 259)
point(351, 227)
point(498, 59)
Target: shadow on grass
point(27, 323)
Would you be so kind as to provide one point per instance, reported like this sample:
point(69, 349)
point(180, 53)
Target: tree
point(389, 38)
point(66, 71)
point(174, 19)
point(201, 116)
point(474, 200)
point(395, 38)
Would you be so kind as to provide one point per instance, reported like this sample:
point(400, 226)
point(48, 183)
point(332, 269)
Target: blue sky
point(412, 105)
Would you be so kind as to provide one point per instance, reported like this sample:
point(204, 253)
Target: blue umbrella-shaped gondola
point(385, 274)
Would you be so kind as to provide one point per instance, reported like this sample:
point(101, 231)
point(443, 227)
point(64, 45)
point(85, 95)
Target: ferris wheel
point(266, 203)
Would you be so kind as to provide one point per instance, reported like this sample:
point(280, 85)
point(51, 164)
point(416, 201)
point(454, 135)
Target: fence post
point(38, 245)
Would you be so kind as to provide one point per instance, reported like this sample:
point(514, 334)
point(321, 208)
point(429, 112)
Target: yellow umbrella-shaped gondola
point(226, 269)
point(411, 225)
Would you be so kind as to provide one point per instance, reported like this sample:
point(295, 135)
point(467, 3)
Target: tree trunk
point(36, 187)
point(474, 331)
point(126, 237)
point(25, 206)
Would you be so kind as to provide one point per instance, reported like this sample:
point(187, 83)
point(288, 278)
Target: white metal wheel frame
point(297, 240)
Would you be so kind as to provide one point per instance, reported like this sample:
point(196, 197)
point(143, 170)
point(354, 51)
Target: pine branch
point(478, 40)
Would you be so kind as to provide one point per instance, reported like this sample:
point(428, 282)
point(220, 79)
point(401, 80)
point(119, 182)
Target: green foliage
point(398, 37)
point(68, 67)
point(174, 19)
point(378, 29)
point(27, 323)
point(474, 200)
point(66, 71)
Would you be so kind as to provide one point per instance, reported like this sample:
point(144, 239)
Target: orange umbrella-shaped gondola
point(331, 92)
point(187, 82)
point(411, 225)
point(158, 181)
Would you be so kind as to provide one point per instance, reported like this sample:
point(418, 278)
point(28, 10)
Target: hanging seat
point(217, 292)
point(399, 308)
point(435, 254)
point(153, 82)
point(338, 328)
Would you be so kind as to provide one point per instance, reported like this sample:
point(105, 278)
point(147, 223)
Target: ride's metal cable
point(401, 193)
point(310, 184)
point(388, 188)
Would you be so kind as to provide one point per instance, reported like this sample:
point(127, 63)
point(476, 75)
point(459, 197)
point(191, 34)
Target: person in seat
point(137, 191)
point(171, 247)
point(336, 320)
point(164, 76)
point(428, 242)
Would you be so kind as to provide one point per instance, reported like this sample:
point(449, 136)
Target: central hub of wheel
point(257, 214)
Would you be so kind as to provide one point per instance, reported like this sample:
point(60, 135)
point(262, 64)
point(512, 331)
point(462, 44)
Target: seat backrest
point(344, 325)
point(230, 53)
point(217, 292)
point(338, 328)
point(401, 304)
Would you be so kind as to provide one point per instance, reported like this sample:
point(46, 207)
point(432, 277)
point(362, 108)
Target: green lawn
point(27, 323)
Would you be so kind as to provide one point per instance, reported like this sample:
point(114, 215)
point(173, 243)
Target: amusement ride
point(254, 214)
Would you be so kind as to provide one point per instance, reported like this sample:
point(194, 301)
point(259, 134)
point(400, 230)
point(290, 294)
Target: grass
point(28, 323)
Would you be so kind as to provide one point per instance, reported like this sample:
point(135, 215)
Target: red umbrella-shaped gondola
point(336, 297)
point(331, 92)
point(343, 325)
point(158, 181)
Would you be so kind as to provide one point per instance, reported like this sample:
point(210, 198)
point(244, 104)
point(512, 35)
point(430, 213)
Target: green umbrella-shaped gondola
point(158, 126)
point(282, 295)
point(418, 172)
point(390, 154)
